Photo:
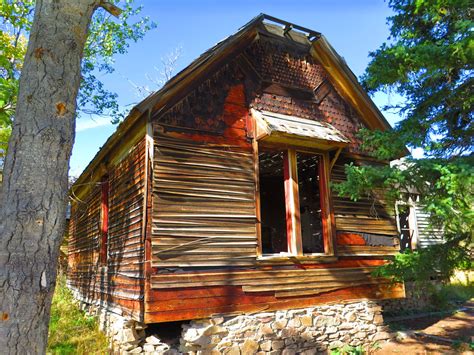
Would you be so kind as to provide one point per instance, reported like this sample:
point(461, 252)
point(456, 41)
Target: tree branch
point(111, 8)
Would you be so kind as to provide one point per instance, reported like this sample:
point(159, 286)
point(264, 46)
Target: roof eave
point(347, 84)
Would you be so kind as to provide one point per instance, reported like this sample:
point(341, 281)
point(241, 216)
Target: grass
point(71, 331)
point(453, 294)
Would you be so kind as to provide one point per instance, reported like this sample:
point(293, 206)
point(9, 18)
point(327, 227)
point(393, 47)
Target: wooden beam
point(333, 161)
point(293, 228)
point(257, 195)
point(327, 214)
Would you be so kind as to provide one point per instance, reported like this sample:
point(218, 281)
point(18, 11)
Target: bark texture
point(34, 192)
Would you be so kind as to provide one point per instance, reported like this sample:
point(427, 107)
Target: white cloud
point(83, 123)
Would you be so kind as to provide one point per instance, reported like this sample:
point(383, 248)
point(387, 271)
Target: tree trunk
point(34, 192)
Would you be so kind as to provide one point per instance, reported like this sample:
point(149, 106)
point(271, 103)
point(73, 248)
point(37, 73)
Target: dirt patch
point(451, 334)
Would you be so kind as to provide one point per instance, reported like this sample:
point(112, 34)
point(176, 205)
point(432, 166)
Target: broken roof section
point(278, 128)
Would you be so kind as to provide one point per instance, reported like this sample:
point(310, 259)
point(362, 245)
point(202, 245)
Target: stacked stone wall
point(418, 298)
point(312, 330)
point(303, 331)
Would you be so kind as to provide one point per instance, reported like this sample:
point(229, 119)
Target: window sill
point(296, 259)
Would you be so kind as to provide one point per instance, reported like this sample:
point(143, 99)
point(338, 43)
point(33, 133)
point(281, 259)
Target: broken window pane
point(310, 203)
point(272, 202)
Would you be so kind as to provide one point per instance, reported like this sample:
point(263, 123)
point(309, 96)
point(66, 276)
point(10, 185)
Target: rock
point(331, 330)
point(351, 316)
point(378, 319)
point(232, 351)
point(381, 336)
point(171, 352)
point(346, 326)
point(148, 348)
point(360, 335)
point(249, 334)
point(152, 340)
point(217, 320)
point(280, 324)
point(289, 332)
point(278, 344)
point(288, 351)
point(130, 346)
point(295, 322)
point(190, 334)
point(215, 329)
point(250, 346)
point(334, 321)
point(266, 345)
point(140, 326)
point(307, 335)
point(162, 347)
point(224, 344)
point(306, 321)
point(320, 321)
point(128, 335)
point(266, 330)
point(336, 344)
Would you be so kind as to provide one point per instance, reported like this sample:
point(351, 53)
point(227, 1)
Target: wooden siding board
point(120, 282)
point(204, 195)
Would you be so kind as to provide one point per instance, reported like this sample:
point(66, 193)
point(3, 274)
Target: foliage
point(71, 331)
point(418, 265)
point(348, 350)
point(107, 38)
point(13, 49)
point(429, 61)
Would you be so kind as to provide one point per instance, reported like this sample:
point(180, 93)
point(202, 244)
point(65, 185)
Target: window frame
point(292, 206)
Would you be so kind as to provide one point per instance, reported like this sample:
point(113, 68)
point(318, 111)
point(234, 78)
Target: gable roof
point(340, 75)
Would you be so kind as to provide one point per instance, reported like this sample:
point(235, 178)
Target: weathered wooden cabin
point(214, 194)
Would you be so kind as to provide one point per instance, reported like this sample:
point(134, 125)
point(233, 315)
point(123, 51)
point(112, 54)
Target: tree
point(429, 61)
point(34, 192)
point(107, 38)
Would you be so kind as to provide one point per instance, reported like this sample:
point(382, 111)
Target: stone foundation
point(127, 336)
point(307, 331)
point(417, 299)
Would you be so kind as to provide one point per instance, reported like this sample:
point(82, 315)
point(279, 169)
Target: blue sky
point(354, 28)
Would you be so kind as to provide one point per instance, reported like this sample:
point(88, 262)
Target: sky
point(354, 28)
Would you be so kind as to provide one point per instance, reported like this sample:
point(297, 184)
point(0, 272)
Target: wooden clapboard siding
point(312, 281)
point(203, 236)
point(119, 282)
point(195, 303)
point(356, 219)
point(203, 204)
point(427, 234)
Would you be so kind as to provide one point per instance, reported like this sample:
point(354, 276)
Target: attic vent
point(321, 91)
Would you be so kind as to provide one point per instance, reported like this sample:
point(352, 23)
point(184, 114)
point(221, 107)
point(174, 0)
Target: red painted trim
point(104, 220)
point(288, 200)
point(323, 196)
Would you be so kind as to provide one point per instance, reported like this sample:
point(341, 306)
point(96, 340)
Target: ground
point(457, 327)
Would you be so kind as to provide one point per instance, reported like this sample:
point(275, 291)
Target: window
point(104, 220)
point(294, 206)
